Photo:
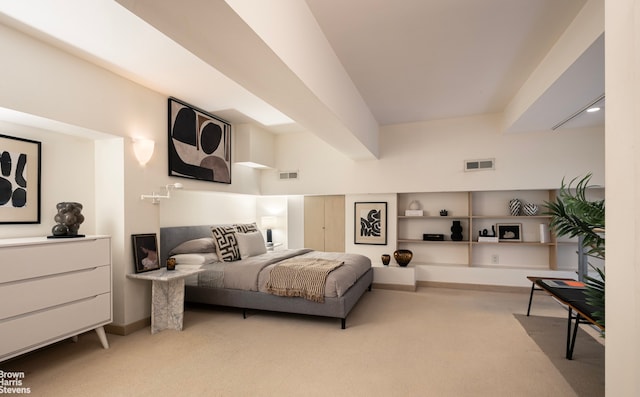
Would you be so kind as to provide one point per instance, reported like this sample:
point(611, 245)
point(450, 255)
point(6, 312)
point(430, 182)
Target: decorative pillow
point(195, 259)
point(226, 243)
point(199, 245)
point(250, 244)
point(246, 227)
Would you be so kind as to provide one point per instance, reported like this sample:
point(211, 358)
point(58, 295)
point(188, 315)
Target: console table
point(53, 289)
point(167, 296)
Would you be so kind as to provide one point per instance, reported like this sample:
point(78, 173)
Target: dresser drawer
point(43, 292)
point(21, 334)
point(36, 260)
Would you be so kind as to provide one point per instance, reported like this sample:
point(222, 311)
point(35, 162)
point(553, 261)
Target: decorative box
point(413, 213)
point(485, 239)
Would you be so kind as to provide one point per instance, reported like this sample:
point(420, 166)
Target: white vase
point(414, 205)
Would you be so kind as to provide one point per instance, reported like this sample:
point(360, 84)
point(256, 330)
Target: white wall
point(188, 207)
point(295, 221)
point(622, 355)
point(429, 156)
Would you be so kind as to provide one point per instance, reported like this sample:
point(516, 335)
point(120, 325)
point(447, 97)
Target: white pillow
point(250, 244)
point(195, 259)
point(195, 246)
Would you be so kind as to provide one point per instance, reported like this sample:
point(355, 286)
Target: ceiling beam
point(314, 93)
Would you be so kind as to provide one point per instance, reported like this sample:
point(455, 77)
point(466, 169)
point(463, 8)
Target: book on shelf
point(486, 239)
point(413, 213)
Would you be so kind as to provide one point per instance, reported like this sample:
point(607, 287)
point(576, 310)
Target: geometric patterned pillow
point(226, 243)
point(246, 227)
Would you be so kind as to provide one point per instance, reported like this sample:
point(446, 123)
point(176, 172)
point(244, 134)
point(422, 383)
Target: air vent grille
point(288, 175)
point(479, 165)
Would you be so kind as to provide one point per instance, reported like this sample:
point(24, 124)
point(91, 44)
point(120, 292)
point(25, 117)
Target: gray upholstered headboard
point(171, 237)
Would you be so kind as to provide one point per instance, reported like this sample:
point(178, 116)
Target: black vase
point(456, 231)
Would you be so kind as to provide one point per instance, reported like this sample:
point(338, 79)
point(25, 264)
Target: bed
point(246, 282)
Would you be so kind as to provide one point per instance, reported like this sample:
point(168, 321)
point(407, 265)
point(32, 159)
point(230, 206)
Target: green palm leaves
point(574, 215)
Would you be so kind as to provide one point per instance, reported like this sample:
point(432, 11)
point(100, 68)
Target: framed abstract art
point(370, 223)
point(199, 144)
point(20, 165)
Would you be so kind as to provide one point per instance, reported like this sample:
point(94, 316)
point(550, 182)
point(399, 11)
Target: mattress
point(252, 274)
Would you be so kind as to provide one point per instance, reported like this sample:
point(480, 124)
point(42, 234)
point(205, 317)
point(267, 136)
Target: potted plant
point(573, 215)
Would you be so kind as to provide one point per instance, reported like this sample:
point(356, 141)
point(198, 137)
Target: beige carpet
point(434, 342)
point(585, 373)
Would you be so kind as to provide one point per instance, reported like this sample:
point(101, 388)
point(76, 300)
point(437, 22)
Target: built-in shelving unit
point(477, 211)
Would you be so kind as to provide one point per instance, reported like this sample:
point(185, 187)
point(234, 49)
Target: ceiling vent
point(480, 165)
point(288, 175)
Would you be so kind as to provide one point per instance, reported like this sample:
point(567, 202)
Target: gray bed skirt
point(338, 307)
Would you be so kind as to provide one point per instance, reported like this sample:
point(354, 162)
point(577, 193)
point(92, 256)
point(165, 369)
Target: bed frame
point(338, 307)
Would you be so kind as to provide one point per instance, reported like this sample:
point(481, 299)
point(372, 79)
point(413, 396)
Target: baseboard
point(396, 287)
point(477, 287)
point(128, 328)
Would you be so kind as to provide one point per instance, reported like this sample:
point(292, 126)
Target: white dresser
point(52, 289)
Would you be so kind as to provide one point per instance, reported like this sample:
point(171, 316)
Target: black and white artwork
point(19, 180)
point(509, 231)
point(199, 144)
point(370, 223)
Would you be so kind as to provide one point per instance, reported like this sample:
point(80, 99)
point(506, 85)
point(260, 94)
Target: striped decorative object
point(304, 277)
point(530, 209)
point(514, 207)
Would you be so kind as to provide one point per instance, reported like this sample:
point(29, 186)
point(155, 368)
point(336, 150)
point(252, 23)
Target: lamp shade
point(268, 222)
point(143, 149)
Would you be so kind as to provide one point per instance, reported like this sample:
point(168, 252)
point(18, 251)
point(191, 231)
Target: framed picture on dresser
point(19, 180)
point(145, 252)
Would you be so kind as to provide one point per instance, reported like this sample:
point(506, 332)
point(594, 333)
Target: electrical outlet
point(495, 259)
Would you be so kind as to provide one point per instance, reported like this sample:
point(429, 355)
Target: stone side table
point(167, 296)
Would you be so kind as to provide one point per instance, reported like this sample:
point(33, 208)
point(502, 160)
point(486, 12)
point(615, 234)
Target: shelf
point(432, 217)
point(547, 217)
point(412, 241)
point(481, 210)
point(506, 243)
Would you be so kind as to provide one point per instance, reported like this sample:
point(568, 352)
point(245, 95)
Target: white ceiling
point(415, 60)
point(407, 60)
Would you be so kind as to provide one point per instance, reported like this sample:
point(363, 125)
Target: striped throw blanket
point(304, 277)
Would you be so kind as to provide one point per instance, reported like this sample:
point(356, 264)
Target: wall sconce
point(155, 197)
point(143, 149)
point(268, 223)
